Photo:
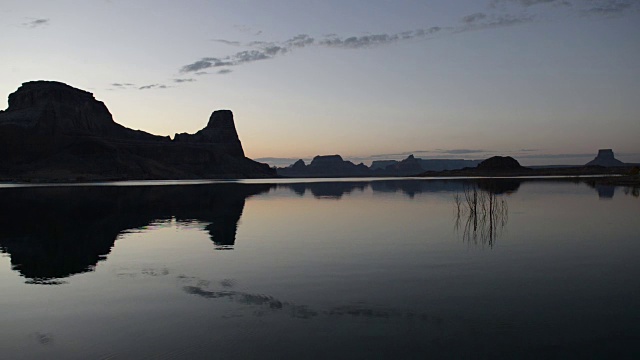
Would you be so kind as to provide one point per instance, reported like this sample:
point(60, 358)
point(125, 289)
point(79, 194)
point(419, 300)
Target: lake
point(357, 269)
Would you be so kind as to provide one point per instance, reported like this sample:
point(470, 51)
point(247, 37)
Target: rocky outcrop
point(219, 133)
point(408, 166)
point(52, 109)
point(325, 166)
point(336, 166)
point(52, 131)
point(605, 158)
point(381, 164)
point(500, 163)
point(299, 165)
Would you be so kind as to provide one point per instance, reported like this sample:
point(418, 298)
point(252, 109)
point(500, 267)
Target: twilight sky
point(546, 81)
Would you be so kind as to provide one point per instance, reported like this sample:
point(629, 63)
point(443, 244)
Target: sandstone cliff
point(52, 131)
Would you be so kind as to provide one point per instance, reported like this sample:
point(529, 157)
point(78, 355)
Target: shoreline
point(591, 179)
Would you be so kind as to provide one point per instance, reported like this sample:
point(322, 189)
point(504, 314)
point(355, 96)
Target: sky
point(544, 81)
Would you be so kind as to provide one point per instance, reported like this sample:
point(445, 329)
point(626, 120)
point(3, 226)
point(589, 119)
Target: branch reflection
point(480, 213)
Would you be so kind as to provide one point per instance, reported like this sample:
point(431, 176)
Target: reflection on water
point(632, 190)
point(362, 269)
point(269, 304)
point(328, 190)
point(486, 214)
point(54, 232)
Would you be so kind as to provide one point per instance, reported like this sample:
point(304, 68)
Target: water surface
point(351, 269)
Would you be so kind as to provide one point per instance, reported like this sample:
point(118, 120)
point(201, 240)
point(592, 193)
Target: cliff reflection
point(51, 233)
point(54, 232)
point(410, 188)
point(326, 190)
point(484, 213)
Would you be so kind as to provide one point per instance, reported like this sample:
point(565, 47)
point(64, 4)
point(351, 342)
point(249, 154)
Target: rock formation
point(220, 133)
point(408, 166)
point(325, 166)
point(299, 166)
point(336, 166)
point(51, 233)
point(381, 164)
point(605, 158)
point(52, 131)
point(500, 163)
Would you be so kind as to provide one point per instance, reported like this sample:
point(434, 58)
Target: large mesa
point(52, 131)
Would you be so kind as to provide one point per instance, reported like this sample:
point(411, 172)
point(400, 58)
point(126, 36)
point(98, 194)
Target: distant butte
point(54, 132)
point(500, 163)
point(605, 158)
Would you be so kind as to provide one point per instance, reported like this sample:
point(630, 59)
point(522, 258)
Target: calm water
point(382, 269)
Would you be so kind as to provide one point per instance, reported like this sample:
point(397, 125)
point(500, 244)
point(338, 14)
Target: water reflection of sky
point(337, 268)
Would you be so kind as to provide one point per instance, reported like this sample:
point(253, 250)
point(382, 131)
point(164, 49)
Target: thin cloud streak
point(430, 153)
point(502, 14)
point(268, 50)
point(34, 23)
point(612, 7)
point(524, 3)
point(153, 86)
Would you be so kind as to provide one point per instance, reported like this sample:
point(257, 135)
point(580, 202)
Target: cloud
point(556, 156)
point(34, 23)
point(474, 17)
point(357, 42)
point(224, 71)
point(267, 50)
point(183, 80)
point(493, 21)
point(611, 7)
point(122, 86)
point(197, 66)
point(525, 3)
point(247, 56)
point(209, 62)
point(431, 153)
point(592, 7)
point(228, 42)
point(462, 151)
point(503, 13)
point(152, 86)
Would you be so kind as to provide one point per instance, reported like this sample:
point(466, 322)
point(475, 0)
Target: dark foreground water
point(382, 269)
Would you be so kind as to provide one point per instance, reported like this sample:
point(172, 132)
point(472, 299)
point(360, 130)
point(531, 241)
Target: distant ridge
point(325, 166)
point(336, 166)
point(54, 132)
